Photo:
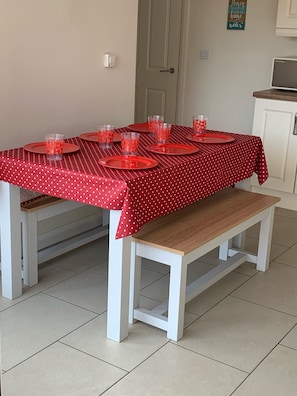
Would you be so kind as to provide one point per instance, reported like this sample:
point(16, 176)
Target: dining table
point(135, 190)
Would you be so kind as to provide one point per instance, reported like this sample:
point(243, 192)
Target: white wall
point(239, 64)
point(52, 77)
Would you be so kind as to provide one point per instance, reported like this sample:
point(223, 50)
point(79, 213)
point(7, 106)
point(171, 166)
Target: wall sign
point(236, 14)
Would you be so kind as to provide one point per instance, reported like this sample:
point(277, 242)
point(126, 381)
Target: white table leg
point(118, 281)
point(11, 266)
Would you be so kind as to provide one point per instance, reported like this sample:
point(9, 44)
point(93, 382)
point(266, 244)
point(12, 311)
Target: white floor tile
point(174, 371)
point(148, 277)
point(216, 293)
point(290, 214)
point(60, 371)
point(291, 339)
point(87, 289)
point(275, 289)
point(48, 274)
point(284, 231)
point(159, 290)
point(237, 333)
point(289, 257)
point(30, 326)
point(154, 266)
point(85, 257)
point(142, 341)
point(276, 375)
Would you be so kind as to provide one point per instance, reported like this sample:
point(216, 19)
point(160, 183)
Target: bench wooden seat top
point(201, 222)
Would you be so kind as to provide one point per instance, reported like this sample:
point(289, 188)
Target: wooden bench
point(184, 236)
point(41, 208)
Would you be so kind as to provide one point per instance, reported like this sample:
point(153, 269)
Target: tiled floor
point(240, 337)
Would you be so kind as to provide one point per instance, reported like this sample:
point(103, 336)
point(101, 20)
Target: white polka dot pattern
point(141, 195)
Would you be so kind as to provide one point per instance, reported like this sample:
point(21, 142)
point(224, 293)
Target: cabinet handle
point(295, 125)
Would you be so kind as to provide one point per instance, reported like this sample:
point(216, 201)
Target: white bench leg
point(265, 241)
point(135, 280)
point(223, 250)
point(29, 247)
point(237, 242)
point(177, 298)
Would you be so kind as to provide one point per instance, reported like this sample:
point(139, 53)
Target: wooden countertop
point(276, 94)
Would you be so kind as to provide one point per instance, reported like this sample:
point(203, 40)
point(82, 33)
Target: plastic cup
point(162, 133)
point(54, 144)
point(129, 143)
point(105, 136)
point(199, 123)
point(153, 122)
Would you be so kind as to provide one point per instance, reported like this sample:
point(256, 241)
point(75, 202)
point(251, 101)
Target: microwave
point(284, 73)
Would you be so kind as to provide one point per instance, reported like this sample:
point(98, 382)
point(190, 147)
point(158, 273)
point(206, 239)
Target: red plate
point(39, 148)
point(128, 163)
point(172, 149)
point(139, 127)
point(211, 138)
point(93, 137)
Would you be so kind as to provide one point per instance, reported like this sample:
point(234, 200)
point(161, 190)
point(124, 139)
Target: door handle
point(171, 70)
point(295, 125)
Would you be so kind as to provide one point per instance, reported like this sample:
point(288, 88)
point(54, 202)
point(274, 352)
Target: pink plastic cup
point(199, 123)
point(54, 144)
point(105, 136)
point(153, 122)
point(129, 143)
point(162, 133)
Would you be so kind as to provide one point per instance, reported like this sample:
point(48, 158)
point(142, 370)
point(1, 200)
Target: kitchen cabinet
point(275, 121)
point(286, 22)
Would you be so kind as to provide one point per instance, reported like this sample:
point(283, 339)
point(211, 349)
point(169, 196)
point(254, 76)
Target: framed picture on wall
point(236, 14)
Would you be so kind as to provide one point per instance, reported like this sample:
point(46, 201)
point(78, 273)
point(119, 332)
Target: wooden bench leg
point(265, 241)
point(177, 298)
point(29, 247)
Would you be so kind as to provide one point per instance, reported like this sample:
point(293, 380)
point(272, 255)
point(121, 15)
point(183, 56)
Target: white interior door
point(158, 49)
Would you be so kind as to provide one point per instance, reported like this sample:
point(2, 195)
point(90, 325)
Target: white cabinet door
point(275, 123)
point(286, 23)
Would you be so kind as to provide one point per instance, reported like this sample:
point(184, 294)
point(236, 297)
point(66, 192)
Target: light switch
point(109, 60)
point(204, 54)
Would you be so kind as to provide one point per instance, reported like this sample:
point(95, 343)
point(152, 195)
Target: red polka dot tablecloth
point(141, 195)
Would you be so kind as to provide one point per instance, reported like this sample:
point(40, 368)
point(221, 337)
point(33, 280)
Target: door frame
point(181, 80)
point(183, 56)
